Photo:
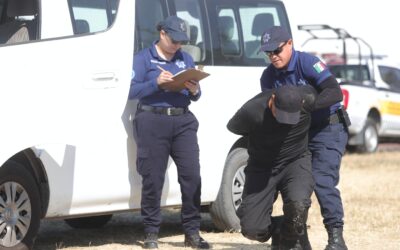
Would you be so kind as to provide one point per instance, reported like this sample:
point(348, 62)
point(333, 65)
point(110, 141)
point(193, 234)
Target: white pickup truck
point(371, 90)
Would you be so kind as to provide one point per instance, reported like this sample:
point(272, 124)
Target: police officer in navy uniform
point(328, 132)
point(277, 123)
point(164, 126)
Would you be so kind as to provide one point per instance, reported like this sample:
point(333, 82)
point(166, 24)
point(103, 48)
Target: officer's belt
point(163, 110)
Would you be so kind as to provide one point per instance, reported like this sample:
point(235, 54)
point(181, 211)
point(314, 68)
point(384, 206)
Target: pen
point(163, 70)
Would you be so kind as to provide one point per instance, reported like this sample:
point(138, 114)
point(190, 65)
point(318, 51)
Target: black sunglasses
point(277, 51)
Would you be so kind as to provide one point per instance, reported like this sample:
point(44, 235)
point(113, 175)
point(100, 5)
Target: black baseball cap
point(288, 104)
point(273, 37)
point(175, 27)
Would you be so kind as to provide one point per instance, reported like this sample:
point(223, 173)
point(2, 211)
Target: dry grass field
point(370, 186)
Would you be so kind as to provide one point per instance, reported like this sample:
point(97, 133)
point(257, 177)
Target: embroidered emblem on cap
point(266, 38)
point(182, 26)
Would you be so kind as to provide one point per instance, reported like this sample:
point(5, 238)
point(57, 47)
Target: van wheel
point(89, 222)
point(223, 210)
point(369, 137)
point(19, 207)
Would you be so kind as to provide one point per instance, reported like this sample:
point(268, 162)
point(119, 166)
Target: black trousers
point(295, 183)
point(159, 136)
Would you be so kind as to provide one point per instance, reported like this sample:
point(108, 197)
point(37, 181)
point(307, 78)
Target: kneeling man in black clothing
point(277, 123)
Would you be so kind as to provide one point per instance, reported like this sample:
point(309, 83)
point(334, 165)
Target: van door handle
point(104, 76)
point(102, 80)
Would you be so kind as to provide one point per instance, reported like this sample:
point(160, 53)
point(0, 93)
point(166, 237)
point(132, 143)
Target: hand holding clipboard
point(180, 78)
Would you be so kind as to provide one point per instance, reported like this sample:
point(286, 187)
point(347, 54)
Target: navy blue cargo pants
point(159, 136)
point(327, 145)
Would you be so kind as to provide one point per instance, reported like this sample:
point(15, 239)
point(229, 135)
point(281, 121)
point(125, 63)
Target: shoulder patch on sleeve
point(319, 67)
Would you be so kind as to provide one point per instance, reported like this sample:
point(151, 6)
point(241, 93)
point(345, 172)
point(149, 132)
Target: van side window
point(228, 32)
point(18, 21)
point(146, 31)
point(239, 30)
point(256, 19)
point(189, 10)
point(92, 16)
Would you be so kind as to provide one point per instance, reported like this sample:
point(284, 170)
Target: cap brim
point(269, 47)
point(287, 117)
point(178, 36)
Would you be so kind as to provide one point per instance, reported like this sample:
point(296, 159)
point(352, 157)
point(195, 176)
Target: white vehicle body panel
point(65, 98)
point(80, 128)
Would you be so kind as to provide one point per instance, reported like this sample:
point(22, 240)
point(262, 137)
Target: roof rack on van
point(338, 34)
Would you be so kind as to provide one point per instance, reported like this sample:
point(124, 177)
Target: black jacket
point(269, 141)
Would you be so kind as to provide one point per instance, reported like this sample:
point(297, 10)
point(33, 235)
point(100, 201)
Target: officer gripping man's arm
point(251, 113)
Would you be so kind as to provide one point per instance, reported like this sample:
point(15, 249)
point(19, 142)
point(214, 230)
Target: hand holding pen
point(165, 76)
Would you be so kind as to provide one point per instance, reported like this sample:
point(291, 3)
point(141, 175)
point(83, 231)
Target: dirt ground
point(371, 197)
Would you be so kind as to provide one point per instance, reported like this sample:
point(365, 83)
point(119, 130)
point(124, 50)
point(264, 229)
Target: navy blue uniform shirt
point(303, 69)
point(144, 78)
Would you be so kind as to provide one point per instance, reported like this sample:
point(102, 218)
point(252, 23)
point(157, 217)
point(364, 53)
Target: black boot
point(289, 244)
point(195, 241)
point(294, 229)
point(150, 241)
point(335, 238)
point(302, 243)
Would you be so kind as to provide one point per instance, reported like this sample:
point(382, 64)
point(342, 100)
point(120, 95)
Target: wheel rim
point(15, 213)
point(371, 139)
point(237, 187)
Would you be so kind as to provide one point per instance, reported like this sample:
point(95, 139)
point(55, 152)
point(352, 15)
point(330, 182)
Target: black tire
point(19, 207)
point(223, 210)
point(370, 137)
point(89, 222)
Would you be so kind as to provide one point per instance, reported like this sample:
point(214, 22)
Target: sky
point(374, 21)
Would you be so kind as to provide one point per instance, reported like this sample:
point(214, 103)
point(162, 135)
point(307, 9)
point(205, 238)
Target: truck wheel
point(369, 137)
point(223, 210)
point(19, 207)
point(89, 222)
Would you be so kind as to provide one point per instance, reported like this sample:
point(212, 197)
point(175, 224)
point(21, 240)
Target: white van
point(66, 144)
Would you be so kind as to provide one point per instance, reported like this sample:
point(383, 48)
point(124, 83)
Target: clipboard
point(183, 76)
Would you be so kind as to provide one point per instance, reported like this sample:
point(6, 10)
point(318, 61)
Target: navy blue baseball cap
point(273, 37)
point(288, 103)
point(175, 27)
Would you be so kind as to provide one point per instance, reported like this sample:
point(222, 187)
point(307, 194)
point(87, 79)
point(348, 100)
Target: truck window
point(354, 73)
point(391, 76)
